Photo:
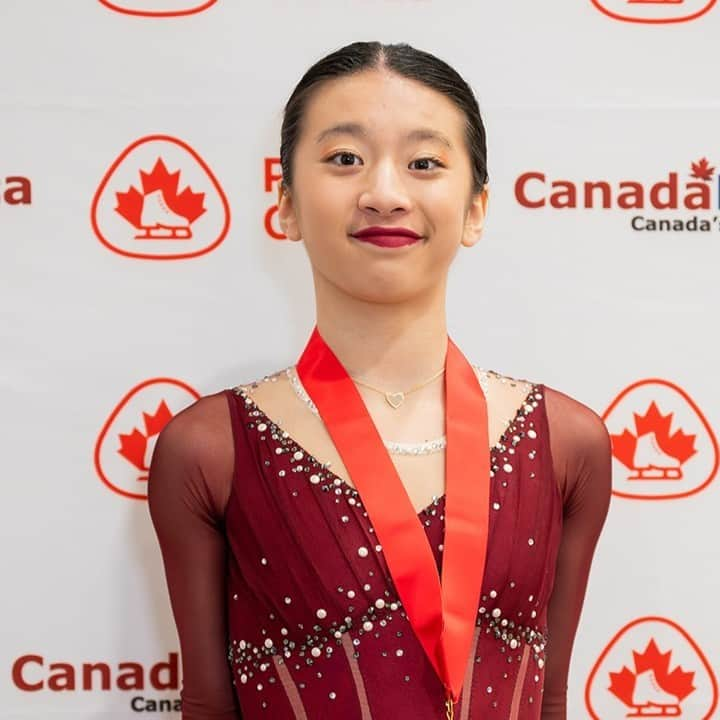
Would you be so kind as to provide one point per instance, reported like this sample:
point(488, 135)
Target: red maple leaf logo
point(133, 445)
point(159, 210)
point(701, 169)
point(652, 686)
point(652, 451)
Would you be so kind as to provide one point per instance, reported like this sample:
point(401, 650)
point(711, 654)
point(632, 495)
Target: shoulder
point(576, 422)
point(581, 448)
point(498, 377)
point(258, 385)
point(499, 382)
point(201, 428)
point(194, 456)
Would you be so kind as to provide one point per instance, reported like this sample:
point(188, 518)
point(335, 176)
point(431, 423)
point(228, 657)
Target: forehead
point(383, 102)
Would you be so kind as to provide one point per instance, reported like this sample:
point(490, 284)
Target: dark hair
point(404, 60)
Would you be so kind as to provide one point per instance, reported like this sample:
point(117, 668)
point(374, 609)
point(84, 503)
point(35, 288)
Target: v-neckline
point(436, 499)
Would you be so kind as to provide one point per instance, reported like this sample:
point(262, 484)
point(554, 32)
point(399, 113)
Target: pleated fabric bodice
point(316, 628)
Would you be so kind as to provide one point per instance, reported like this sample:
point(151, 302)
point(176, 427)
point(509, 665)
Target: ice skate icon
point(651, 463)
point(650, 700)
point(158, 221)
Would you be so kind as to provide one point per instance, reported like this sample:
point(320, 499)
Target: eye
point(431, 159)
point(347, 154)
point(343, 154)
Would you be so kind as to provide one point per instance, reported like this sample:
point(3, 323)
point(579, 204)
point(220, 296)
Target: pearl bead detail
point(314, 641)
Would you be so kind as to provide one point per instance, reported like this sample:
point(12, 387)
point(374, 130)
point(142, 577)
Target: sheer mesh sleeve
point(188, 488)
point(581, 449)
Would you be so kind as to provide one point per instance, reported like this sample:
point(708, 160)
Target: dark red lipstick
point(389, 236)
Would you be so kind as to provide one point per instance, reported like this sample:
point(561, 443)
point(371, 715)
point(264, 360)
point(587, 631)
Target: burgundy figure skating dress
point(283, 601)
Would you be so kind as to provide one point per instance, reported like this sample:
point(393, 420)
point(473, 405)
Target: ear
point(287, 214)
point(475, 217)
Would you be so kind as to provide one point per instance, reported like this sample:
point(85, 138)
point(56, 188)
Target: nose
point(384, 190)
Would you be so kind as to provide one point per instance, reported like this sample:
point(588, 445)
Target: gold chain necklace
point(396, 399)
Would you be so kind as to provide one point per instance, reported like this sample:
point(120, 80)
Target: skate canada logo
point(36, 674)
point(678, 202)
point(652, 668)
point(125, 445)
point(158, 8)
point(654, 11)
point(160, 201)
point(662, 445)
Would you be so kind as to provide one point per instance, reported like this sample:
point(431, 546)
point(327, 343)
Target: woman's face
point(380, 170)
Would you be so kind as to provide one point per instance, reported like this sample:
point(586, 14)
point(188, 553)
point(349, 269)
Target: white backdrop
point(105, 336)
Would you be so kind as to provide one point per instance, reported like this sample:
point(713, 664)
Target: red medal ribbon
point(443, 615)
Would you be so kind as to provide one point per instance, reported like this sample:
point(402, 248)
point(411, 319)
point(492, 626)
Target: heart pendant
point(395, 399)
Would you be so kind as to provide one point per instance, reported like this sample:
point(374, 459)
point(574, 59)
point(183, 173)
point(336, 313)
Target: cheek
point(444, 199)
point(447, 213)
point(326, 210)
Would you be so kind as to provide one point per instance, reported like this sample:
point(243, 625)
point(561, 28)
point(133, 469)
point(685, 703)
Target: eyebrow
point(356, 129)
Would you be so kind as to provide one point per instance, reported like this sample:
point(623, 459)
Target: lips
point(387, 236)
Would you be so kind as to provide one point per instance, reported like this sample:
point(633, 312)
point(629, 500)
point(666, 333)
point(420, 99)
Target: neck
point(390, 345)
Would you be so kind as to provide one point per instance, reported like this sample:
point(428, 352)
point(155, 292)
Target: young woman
point(383, 529)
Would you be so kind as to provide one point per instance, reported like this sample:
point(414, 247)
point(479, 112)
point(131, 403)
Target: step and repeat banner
point(604, 162)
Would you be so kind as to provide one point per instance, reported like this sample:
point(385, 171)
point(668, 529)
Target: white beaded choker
point(394, 448)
